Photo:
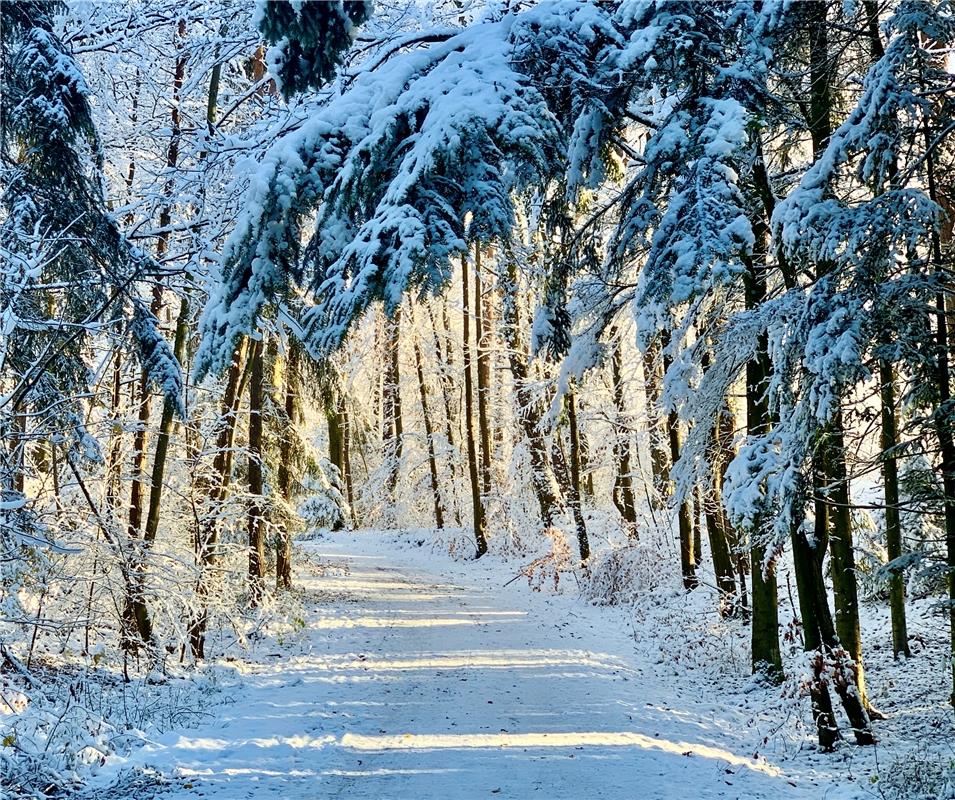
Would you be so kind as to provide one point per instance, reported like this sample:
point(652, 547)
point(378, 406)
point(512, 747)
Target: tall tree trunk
point(134, 523)
point(656, 428)
point(205, 548)
point(575, 501)
point(527, 411)
point(720, 531)
point(283, 545)
point(135, 612)
point(346, 458)
point(623, 496)
point(841, 549)
point(333, 419)
point(391, 403)
point(889, 439)
point(114, 463)
point(944, 415)
point(685, 523)
point(482, 340)
point(807, 568)
point(833, 486)
point(893, 526)
point(688, 536)
point(207, 539)
point(256, 516)
point(766, 655)
point(447, 388)
point(429, 437)
point(165, 429)
point(719, 549)
point(337, 424)
point(480, 524)
point(821, 638)
point(136, 605)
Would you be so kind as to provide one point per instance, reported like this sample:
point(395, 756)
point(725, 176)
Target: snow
point(412, 675)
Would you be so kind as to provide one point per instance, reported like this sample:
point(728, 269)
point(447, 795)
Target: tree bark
point(114, 465)
point(656, 429)
point(889, 438)
point(807, 567)
point(391, 404)
point(346, 458)
point(623, 495)
point(447, 388)
point(165, 429)
point(893, 526)
point(337, 435)
point(719, 549)
point(833, 485)
point(256, 515)
point(688, 536)
point(429, 437)
point(136, 605)
point(480, 525)
point(528, 411)
point(208, 529)
point(283, 548)
point(821, 638)
point(583, 542)
point(482, 339)
point(766, 655)
point(944, 423)
point(720, 531)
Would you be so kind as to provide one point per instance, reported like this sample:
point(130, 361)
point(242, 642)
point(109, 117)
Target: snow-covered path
point(410, 685)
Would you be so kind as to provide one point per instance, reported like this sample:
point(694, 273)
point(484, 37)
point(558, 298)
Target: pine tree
point(309, 39)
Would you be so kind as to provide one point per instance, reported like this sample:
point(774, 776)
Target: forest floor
point(411, 675)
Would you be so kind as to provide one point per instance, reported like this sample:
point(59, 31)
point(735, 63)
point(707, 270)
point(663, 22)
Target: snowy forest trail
point(410, 685)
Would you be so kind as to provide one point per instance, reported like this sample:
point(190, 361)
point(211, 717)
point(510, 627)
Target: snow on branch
point(404, 167)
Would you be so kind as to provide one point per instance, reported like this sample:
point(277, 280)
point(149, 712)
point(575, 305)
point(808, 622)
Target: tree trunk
point(447, 388)
point(842, 553)
point(893, 526)
point(766, 656)
point(688, 536)
point(114, 465)
point(482, 339)
point(256, 517)
point(575, 500)
point(283, 546)
point(820, 636)
point(623, 496)
point(136, 605)
point(337, 423)
point(806, 569)
point(336, 443)
point(720, 531)
point(528, 411)
point(719, 549)
point(391, 405)
point(135, 613)
point(834, 481)
point(656, 429)
point(890, 427)
point(943, 413)
point(480, 525)
point(208, 529)
point(429, 436)
point(165, 429)
point(346, 458)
